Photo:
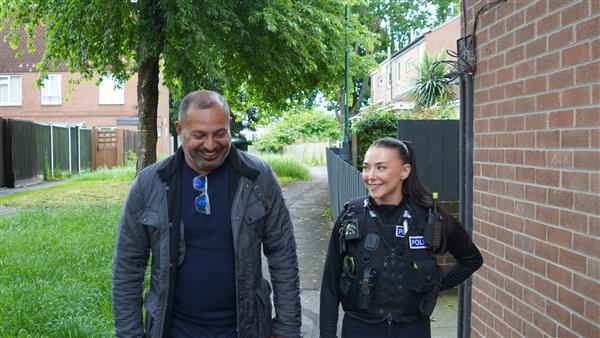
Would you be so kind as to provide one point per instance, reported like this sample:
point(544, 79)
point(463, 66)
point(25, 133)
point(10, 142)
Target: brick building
point(102, 106)
point(395, 75)
point(536, 197)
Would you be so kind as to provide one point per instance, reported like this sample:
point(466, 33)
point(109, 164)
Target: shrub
point(372, 126)
point(287, 167)
point(300, 126)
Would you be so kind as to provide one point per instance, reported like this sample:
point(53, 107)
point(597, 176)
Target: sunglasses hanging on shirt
point(202, 203)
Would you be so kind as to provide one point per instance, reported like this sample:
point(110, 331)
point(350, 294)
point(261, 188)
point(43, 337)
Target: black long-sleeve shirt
point(455, 239)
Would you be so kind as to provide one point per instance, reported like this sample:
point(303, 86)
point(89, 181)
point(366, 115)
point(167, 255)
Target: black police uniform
point(381, 267)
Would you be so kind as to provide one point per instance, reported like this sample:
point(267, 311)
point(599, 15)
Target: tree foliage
point(265, 54)
point(300, 126)
point(372, 126)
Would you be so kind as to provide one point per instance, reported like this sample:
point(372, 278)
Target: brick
point(584, 327)
point(535, 85)
point(547, 62)
point(588, 29)
point(592, 310)
point(546, 324)
point(589, 117)
point(525, 105)
point(561, 39)
point(560, 237)
point(574, 13)
point(504, 75)
point(595, 49)
point(535, 229)
point(575, 55)
point(536, 47)
point(525, 68)
point(505, 140)
point(575, 138)
point(516, 190)
point(558, 313)
point(514, 256)
point(555, 4)
point(549, 23)
point(576, 96)
point(574, 261)
point(526, 175)
point(587, 73)
point(589, 203)
point(559, 274)
point(535, 158)
point(525, 209)
point(547, 101)
point(515, 55)
point(587, 160)
point(560, 159)
point(560, 119)
point(515, 89)
point(497, 29)
point(536, 194)
point(560, 79)
point(575, 180)
point(546, 215)
point(547, 177)
point(497, 93)
point(536, 121)
point(596, 93)
point(504, 267)
point(481, 126)
point(506, 172)
point(595, 138)
point(525, 311)
point(498, 124)
point(524, 34)
point(514, 156)
point(525, 140)
point(489, 170)
point(571, 300)
point(515, 20)
point(595, 182)
point(566, 333)
point(573, 221)
point(593, 268)
point(546, 251)
point(594, 229)
point(535, 11)
point(560, 198)
point(548, 139)
point(496, 62)
point(586, 286)
point(496, 155)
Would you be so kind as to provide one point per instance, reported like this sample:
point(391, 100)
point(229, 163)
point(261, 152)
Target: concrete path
point(307, 200)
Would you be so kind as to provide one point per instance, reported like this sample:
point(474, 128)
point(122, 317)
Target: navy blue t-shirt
point(205, 291)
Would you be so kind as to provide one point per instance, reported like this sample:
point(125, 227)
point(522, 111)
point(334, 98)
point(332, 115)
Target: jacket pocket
point(151, 218)
point(255, 212)
point(263, 304)
point(423, 275)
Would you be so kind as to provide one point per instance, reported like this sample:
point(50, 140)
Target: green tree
point(263, 53)
point(394, 23)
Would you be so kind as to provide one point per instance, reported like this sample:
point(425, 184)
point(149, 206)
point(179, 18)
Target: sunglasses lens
point(202, 205)
point(200, 183)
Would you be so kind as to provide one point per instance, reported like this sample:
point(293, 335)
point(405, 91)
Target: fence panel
point(60, 139)
point(85, 138)
point(106, 148)
point(43, 149)
point(436, 145)
point(3, 182)
point(345, 182)
point(130, 143)
point(24, 165)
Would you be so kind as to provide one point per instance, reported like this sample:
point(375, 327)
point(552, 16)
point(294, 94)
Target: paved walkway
point(307, 201)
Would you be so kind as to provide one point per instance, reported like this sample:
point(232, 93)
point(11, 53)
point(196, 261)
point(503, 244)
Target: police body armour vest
point(388, 272)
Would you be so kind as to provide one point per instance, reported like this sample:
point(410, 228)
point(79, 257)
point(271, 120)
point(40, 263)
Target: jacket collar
point(238, 161)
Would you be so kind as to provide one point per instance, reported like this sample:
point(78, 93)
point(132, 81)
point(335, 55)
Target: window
point(111, 91)
point(10, 90)
point(399, 66)
point(51, 90)
point(409, 65)
point(380, 81)
point(390, 78)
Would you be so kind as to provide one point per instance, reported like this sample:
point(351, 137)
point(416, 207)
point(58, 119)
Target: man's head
point(203, 127)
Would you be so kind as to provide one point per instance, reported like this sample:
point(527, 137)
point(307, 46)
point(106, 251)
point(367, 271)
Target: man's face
point(205, 138)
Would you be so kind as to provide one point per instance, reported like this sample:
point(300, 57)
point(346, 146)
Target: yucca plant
point(431, 87)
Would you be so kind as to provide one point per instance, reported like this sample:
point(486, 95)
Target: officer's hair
point(201, 99)
point(412, 187)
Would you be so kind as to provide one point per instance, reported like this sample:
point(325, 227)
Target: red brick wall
point(536, 169)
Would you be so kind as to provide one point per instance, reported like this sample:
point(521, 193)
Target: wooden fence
point(111, 148)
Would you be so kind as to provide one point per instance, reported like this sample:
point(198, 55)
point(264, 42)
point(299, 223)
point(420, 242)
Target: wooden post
point(354, 151)
point(94, 150)
point(120, 145)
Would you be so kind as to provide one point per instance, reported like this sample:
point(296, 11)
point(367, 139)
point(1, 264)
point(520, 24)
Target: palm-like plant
point(432, 86)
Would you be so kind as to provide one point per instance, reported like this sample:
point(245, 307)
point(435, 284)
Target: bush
point(372, 126)
point(301, 126)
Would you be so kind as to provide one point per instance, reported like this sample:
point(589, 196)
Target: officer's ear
point(406, 168)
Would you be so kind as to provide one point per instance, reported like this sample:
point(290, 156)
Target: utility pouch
point(366, 288)
point(433, 230)
point(348, 276)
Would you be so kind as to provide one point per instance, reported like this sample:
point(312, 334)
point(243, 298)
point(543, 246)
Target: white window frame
point(52, 94)
point(110, 92)
point(7, 80)
point(409, 65)
point(398, 72)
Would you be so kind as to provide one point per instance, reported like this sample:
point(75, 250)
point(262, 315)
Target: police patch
point(400, 231)
point(416, 242)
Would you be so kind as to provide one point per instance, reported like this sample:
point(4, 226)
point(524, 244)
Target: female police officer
point(381, 260)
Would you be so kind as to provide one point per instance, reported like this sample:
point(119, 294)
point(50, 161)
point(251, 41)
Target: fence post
point(120, 144)
point(94, 150)
point(51, 149)
point(70, 150)
point(78, 149)
point(8, 158)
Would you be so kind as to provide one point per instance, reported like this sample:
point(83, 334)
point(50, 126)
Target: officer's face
point(205, 138)
point(383, 174)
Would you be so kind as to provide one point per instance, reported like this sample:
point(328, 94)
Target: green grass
point(57, 249)
point(287, 169)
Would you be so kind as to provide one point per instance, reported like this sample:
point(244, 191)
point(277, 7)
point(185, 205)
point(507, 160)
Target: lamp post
point(346, 143)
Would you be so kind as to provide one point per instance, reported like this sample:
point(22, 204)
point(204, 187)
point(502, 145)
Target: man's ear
point(178, 127)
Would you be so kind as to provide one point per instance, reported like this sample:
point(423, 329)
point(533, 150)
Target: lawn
point(56, 254)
